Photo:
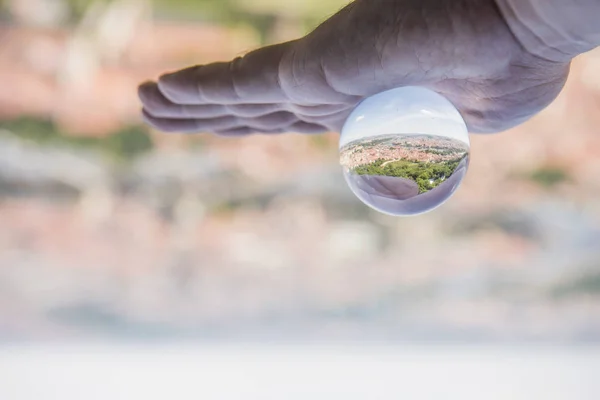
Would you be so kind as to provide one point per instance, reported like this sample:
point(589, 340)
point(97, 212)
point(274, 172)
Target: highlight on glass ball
point(404, 152)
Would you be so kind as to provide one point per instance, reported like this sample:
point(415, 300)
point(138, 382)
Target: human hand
point(462, 49)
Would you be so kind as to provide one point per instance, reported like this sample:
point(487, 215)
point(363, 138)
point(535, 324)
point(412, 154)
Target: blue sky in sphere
point(409, 110)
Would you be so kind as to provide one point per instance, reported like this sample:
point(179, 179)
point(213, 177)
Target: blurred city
point(111, 230)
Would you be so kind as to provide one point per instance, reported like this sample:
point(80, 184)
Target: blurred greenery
point(319, 142)
point(265, 16)
point(549, 177)
point(262, 14)
point(228, 9)
point(124, 144)
point(196, 9)
point(588, 284)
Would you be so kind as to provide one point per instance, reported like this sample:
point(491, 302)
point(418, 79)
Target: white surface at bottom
point(275, 372)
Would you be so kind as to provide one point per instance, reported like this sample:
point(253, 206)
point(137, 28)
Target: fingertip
point(234, 133)
point(307, 128)
point(154, 122)
point(169, 86)
point(168, 125)
point(147, 118)
point(180, 87)
point(145, 89)
point(146, 84)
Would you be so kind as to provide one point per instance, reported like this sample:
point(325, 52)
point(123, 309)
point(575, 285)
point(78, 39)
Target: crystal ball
point(404, 151)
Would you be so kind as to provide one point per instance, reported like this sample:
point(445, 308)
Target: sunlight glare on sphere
point(405, 151)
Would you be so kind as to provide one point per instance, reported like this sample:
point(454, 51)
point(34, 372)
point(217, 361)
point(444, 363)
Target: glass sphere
point(404, 151)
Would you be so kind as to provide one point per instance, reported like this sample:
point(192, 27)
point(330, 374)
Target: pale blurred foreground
point(295, 373)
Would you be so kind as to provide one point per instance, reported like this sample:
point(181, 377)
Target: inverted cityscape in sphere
point(405, 151)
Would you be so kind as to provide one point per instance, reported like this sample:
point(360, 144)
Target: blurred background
point(112, 232)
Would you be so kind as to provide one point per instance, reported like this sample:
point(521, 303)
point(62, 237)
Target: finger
point(257, 110)
point(298, 127)
point(169, 124)
point(252, 79)
point(327, 119)
point(334, 122)
point(318, 110)
point(273, 121)
point(306, 127)
point(244, 131)
point(157, 105)
point(253, 110)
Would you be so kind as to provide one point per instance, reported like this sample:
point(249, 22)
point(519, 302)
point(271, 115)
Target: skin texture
point(463, 49)
point(554, 29)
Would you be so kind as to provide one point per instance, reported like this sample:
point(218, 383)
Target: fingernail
point(180, 87)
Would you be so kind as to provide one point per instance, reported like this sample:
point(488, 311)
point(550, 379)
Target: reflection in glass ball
point(405, 151)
